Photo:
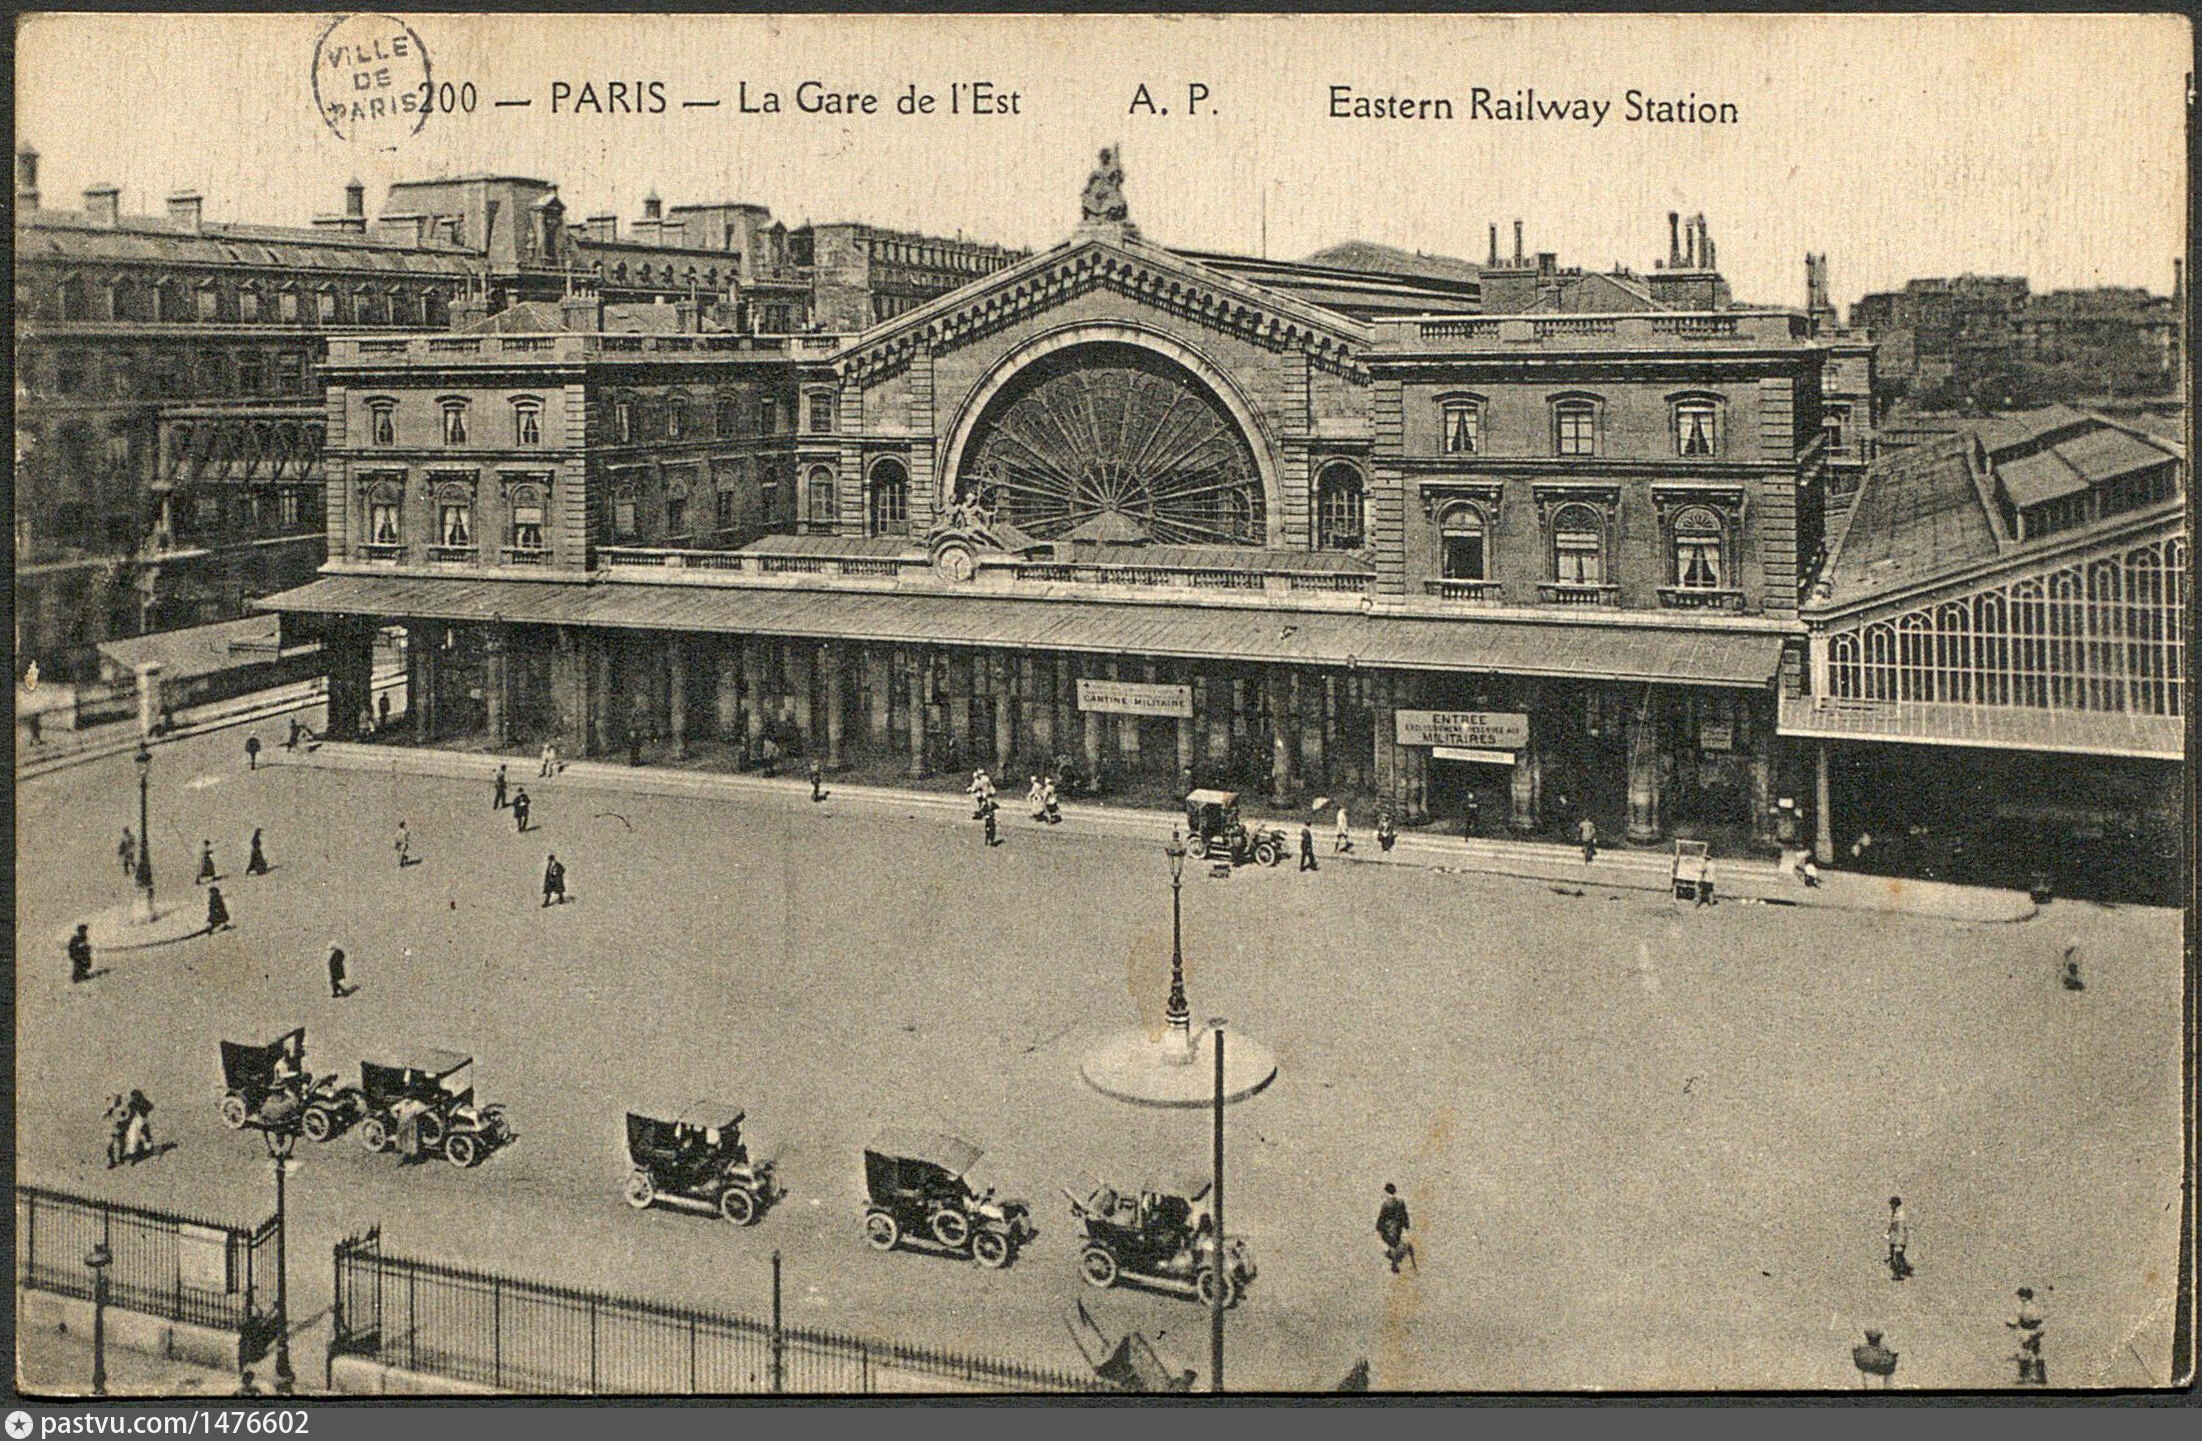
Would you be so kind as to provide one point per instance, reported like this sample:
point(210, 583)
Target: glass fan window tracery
point(1110, 443)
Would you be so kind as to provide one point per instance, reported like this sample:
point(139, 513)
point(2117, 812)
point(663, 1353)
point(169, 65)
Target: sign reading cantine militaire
point(1501, 730)
point(1125, 697)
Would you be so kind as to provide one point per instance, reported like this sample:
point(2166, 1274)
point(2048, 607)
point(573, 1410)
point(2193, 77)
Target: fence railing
point(179, 1268)
point(531, 1337)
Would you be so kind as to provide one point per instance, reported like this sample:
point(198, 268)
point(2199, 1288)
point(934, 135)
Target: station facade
point(1120, 514)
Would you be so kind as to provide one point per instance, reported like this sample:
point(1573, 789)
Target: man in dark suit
point(1391, 1226)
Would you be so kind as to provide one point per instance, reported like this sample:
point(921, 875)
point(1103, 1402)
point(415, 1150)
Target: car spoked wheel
point(881, 1232)
point(951, 1229)
point(1197, 847)
point(374, 1134)
point(1098, 1267)
point(318, 1124)
point(737, 1205)
point(429, 1127)
point(234, 1113)
point(1206, 1282)
point(640, 1193)
point(991, 1248)
point(462, 1150)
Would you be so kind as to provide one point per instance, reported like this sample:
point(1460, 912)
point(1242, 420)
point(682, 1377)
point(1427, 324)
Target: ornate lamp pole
point(281, 1142)
point(97, 1260)
point(145, 833)
point(1178, 1043)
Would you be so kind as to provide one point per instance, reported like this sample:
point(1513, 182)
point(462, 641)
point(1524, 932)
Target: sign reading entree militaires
point(1127, 697)
point(1490, 730)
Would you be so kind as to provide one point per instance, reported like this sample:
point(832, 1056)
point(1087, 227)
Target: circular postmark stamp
point(370, 78)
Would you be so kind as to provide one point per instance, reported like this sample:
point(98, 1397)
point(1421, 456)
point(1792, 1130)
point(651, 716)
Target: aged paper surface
point(794, 699)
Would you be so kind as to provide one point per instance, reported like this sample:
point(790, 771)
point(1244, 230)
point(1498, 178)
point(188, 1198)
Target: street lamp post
point(280, 1145)
point(1178, 1012)
point(97, 1260)
point(145, 833)
point(1215, 1303)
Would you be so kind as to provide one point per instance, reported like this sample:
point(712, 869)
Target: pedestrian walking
point(206, 864)
point(993, 831)
point(382, 711)
point(497, 791)
point(217, 910)
point(256, 864)
point(252, 752)
point(1705, 881)
point(2028, 1324)
point(1899, 1238)
point(550, 753)
point(37, 725)
point(771, 762)
point(1051, 802)
point(403, 845)
point(1307, 847)
point(2071, 977)
point(290, 740)
point(1036, 798)
point(126, 851)
point(1470, 811)
point(1586, 835)
point(554, 881)
point(1387, 831)
point(1873, 1359)
point(977, 791)
point(1808, 871)
point(1343, 845)
point(520, 810)
point(118, 1129)
point(80, 954)
point(817, 783)
point(137, 1139)
point(338, 990)
point(1392, 1225)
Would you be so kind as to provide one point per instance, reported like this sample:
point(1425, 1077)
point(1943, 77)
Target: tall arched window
point(623, 420)
point(1698, 542)
point(527, 518)
point(728, 421)
point(1461, 544)
point(889, 499)
point(676, 508)
point(1578, 546)
point(455, 522)
point(385, 519)
point(820, 503)
point(1339, 508)
point(527, 421)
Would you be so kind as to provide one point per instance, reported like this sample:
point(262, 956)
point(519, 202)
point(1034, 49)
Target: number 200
point(447, 97)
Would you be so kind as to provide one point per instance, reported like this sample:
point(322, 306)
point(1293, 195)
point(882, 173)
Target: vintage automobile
point(1213, 828)
point(269, 1089)
point(425, 1100)
point(694, 1158)
point(1160, 1238)
point(917, 1192)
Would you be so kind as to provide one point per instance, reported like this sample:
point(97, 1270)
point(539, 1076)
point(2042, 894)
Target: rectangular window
point(251, 372)
point(454, 425)
point(527, 425)
point(1575, 430)
point(726, 509)
point(527, 527)
point(324, 306)
point(676, 515)
point(821, 414)
point(1578, 559)
point(1836, 422)
point(623, 421)
point(1463, 558)
point(206, 511)
point(286, 305)
point(210, 304)
point(1697, 562)
point(382, 425)
point(1695, 428)
point(291, 508)
point(768, 415)
point(1463, 429)
point(623, 516)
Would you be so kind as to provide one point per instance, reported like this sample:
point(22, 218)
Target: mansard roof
point(1133, 267)
point(61, 236)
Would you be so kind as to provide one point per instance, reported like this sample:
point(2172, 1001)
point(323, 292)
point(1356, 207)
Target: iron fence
point(180, 1268)
point(531, 1337)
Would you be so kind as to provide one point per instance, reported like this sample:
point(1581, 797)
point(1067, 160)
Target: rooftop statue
point(1103, 203)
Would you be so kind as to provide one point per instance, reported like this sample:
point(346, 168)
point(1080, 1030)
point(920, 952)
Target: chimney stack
point(355, 199)
point(26, 179)
point(1674, 240)
point(1494, 262)
point(1517, 245)
point(103, 203)
point(1548, 261)
point(652, 207)
point(185, 208)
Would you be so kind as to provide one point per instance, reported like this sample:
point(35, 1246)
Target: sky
point(1902, 146)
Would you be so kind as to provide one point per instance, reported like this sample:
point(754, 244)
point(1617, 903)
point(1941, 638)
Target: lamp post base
point(1130, 1066)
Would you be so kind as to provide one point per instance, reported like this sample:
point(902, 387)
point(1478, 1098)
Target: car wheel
point(1197, 848)
point(462, 1150)
point(317, 1123)
point(234, 1114)
point(951, 1228)
point(881, 1231)
point(1098, 1267)
point(431, 1128)
point(991, 1248)
point(737, 1205)
point(374, 1134)
point(1272, 854)
point(1205, 1283)
point(640, 1193)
